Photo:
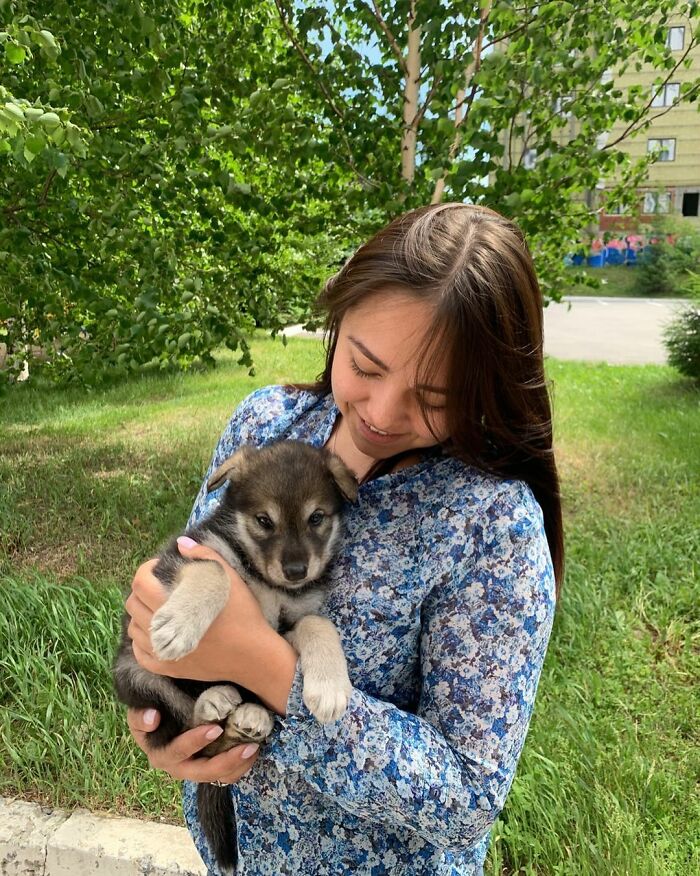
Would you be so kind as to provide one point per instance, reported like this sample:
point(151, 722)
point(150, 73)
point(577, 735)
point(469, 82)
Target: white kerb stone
point(25, 831)
point(114, 846)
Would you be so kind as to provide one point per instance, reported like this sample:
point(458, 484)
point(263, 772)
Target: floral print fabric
point(443, 595)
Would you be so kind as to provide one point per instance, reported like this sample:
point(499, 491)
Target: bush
point(666, 265)
point(682, 336)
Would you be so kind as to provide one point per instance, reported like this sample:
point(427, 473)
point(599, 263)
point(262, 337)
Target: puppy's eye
point(265, 522)
point(316, 518)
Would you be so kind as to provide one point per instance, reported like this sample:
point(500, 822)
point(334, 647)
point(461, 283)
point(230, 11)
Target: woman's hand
point(226, 649)
point(240, 646)
point(177, 758)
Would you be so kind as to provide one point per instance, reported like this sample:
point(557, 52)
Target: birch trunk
point(410, 101)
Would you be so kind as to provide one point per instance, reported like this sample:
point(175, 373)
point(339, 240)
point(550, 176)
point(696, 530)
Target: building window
point(691, 203)
point(657, 202)
point(615, 209)
point(675, 39)
point(529, 158)
point(561, 106)
point(667, 94)
point(665, 148)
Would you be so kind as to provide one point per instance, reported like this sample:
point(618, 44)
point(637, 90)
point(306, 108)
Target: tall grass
point(607, 784)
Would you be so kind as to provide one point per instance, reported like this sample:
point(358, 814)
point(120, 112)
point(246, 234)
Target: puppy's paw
point(249, 723)
point(326, 698)
point(173, 634)
point(215, 704)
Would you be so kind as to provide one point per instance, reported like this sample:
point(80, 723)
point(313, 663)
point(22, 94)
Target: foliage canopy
point(174, 173)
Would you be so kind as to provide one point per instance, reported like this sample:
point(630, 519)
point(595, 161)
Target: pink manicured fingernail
point(249, 751)
point(214, 733)
point(149, 716)
point(186, 541)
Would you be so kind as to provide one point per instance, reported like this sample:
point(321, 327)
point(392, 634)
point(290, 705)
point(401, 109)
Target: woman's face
point(374, 376)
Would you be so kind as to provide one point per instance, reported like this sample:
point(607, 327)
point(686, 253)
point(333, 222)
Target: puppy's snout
point(294, 571)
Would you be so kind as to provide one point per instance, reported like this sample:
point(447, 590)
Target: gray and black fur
point(279, 525)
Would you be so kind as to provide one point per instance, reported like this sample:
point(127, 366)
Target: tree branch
point(632, 127)
point(507, 36)
point(329, 98)
point(305, 58)
point(376, 12)
point(47, 186)
point(471, 71)
point(476, 66)
point(418, 118)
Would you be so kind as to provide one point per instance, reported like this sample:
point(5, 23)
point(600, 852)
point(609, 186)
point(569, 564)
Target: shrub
point(666, 264)
point(682, 336)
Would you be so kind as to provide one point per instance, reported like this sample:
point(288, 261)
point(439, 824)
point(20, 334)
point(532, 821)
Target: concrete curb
point(39, 841)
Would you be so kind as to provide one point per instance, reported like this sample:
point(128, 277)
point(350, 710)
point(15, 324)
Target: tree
point(173, 173)
point(430, 100)
point(154, 202)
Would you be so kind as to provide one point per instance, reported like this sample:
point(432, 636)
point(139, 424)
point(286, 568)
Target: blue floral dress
point(443, 595)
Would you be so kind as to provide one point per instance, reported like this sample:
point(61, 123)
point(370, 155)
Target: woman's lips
point(375, 437)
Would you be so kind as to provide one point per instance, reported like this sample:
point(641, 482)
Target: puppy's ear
point(231, 467)
point(344, 478)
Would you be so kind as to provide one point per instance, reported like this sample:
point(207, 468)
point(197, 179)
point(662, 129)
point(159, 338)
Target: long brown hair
point(474, 267)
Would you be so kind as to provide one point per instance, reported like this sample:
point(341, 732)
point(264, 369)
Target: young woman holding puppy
point(444, 591)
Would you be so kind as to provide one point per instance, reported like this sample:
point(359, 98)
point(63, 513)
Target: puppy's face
point(284, 504)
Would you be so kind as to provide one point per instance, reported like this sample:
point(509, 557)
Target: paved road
point(621, 331)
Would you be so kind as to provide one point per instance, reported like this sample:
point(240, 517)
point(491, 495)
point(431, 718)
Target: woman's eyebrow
point(378, 362)
point(365, 352)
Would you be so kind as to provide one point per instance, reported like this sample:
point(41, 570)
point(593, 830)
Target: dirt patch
point(589, 479)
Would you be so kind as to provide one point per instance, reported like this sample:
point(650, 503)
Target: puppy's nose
point(294, 571)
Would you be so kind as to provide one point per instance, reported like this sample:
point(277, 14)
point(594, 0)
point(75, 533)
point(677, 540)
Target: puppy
point(278, 525)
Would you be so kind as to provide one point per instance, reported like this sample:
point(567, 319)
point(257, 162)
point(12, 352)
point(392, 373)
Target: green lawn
point(91, 484)
point(617, 281)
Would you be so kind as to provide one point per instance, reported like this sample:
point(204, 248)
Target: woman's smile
point(374, 379)
point(376, 435)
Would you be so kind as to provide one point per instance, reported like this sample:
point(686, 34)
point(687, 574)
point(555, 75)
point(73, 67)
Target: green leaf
point(49, 121)
point(35, 143)
point(47, 38)
point(15, 53)
point(60, 162)
point(14, 110)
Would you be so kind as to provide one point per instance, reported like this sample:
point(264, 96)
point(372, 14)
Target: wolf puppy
point(278, 525)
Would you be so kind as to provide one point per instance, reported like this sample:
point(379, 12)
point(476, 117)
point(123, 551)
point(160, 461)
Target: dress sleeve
point(229, 441)
point(445, 771)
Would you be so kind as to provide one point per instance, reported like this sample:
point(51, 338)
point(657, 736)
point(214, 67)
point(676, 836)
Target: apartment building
point(673, 183)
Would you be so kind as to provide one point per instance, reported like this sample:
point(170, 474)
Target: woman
point(434, 394)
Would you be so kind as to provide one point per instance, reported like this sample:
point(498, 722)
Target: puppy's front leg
point(201, 591)
point(327, 687)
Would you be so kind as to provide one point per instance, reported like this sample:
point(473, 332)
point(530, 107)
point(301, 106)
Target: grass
point(91, 484)
point(617, 281)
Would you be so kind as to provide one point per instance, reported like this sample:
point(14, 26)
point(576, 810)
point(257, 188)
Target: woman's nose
point(385, 408)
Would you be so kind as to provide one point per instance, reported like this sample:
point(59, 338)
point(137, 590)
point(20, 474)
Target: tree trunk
point(410, 99)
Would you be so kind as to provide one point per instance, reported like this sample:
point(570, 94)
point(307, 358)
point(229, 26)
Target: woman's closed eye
point(360, 373)
point(369, 374)
point(430, 407)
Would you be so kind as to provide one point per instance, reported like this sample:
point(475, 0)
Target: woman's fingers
point(178, 758)
point(140, 641)
point(228, 766)
point(146, 587)
point(141, 722)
